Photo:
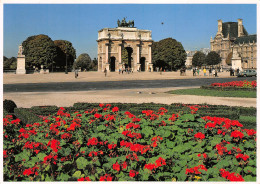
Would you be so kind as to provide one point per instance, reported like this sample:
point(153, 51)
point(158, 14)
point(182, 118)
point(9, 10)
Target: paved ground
point(56, 95)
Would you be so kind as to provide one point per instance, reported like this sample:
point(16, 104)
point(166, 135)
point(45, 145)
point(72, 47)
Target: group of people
point(214, 72)
point(232, 71)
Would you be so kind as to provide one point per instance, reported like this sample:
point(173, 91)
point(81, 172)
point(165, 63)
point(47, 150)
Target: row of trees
point(199, 59)
point(54, 55)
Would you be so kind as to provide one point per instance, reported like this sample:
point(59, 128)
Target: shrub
point(9, 106)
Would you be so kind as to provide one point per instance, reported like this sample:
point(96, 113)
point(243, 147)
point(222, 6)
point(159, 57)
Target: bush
point(9, 106)
point(26, 116)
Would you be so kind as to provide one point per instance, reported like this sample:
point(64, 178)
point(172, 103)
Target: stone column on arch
point(107, 57)
point(149, 63)
point(119, 56)
point(137, 64)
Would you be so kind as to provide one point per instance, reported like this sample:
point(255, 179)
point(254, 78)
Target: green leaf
point(41, 156)
point(249, 178)
point(78, 174)
point(187, 117)
point(101, 127)
point(63, 177)
point(215, 141)
point(81, 163)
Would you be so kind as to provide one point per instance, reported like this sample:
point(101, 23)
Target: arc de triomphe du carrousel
point(127, 41)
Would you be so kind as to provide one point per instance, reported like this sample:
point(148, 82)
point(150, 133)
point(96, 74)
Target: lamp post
point(66, 69)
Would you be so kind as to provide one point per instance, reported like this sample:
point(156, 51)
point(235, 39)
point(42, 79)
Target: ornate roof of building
point(231, 29)
point(246, 39)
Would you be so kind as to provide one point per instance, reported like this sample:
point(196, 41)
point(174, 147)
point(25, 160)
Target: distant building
point(190, 55)
point(233, 36)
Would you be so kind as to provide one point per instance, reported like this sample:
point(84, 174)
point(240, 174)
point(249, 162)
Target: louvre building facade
point(232, 36)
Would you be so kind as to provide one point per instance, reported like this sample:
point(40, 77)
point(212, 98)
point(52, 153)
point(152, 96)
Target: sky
point(190, 24)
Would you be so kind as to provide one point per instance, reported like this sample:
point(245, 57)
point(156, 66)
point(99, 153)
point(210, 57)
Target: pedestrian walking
point(198, 71)
point(210, 71)
point(194, 71)
point(161, 71)
point(105, 71)
point(204, 71)
point(76, 73)
point(119, 70)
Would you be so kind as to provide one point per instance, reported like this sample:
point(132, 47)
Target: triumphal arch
point(124, 47)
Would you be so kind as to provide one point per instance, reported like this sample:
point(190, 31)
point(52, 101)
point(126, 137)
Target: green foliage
point(168, 53)
point(39, 50)
point(9, 106)
point(65, 51)
point(212, 58)
point(84, 62)
point(198, 59)
point(10, 63)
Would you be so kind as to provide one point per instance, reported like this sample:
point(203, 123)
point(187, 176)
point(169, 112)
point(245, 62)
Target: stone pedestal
point(20, 65)
point(236, 61)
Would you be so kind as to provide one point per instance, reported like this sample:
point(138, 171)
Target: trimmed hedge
point(229, 88)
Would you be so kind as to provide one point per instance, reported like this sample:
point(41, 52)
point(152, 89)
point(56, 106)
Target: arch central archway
point(127, 57)
point(142, 62)
point(112, 64)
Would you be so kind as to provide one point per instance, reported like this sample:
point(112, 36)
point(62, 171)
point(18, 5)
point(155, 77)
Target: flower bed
point(105, 144)
point(240, 84)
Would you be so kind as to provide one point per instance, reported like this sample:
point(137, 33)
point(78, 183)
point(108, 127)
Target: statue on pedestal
point(123, 23)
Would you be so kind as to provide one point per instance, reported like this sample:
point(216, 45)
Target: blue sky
point(190, 24)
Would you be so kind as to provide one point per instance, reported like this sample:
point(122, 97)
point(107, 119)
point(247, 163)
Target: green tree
point(213, 58)
point(228, 59)
point(83, 61)
point(198, 59)
point(10, 63)
point(39, 50)
point(170, 53)
point(94, 65)
point(65, 52)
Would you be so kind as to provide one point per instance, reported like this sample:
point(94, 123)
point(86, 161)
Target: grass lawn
point(248, 121)
point(218, 93)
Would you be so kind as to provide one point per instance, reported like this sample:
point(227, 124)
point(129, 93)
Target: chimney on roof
point(240, 27)
point(220, 26)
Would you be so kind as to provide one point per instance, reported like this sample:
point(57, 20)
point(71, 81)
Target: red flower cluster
point(133, 173)
point(245, 83)
point(84, 179)
point(250, 132)
point(222, 149)
point(98, 116)
point(62, 113)
point(155, 140)
point(110, 117)
point(132, 156)
point(92, 141)
point(118, 167)
point(135, 147)
point(106, 177)
point(158, 163)
point(132, 125)
point(6, 120)
point(236, 134)
point(199, 135)
point(92, 153)
point(111, 146)
point(129, 114)
point(36, 146)
point(230, 176)
point(115, 109)
point(30, 171)
point(75, 124)
point(162, 111)
point(203, 154)
point(132, 134)
point(195, 170)
point(26, 133)
point(174, 117)
point(54, 144)
point(244, 157)
point(66, 136)
point(193, 109)
point(50, 157)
